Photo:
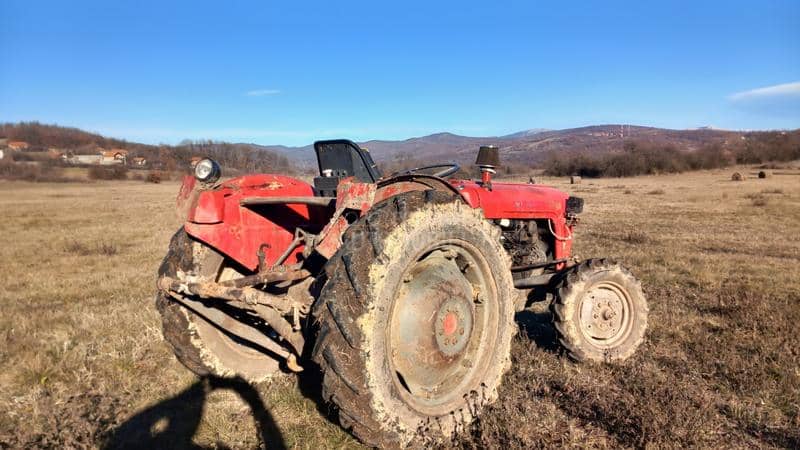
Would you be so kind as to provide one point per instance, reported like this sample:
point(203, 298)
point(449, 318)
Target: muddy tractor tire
point(600, 312)
point(199, 345)
point(415, 321)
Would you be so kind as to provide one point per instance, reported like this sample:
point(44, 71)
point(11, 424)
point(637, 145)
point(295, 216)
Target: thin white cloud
point(262, 92)
point(785, 90)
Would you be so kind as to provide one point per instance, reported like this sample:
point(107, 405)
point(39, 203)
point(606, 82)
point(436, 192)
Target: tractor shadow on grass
point(173, 422)
point(536, 323)
point(538, 327)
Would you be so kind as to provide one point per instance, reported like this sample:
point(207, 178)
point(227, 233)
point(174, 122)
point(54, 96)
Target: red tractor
point(401, 288)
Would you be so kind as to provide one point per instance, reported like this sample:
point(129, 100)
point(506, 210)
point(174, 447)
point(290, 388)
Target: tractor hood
point(513, 200)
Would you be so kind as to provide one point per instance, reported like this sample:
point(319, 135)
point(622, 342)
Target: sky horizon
point(276, 74)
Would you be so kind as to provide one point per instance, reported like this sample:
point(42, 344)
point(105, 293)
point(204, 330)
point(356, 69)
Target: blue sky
point(288, 73)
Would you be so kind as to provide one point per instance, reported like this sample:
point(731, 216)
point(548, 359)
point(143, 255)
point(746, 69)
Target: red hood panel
point(514, 200)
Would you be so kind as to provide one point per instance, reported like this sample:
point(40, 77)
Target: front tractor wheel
point(600, 312)
point(415, 320)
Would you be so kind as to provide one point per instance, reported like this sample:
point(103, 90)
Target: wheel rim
point(237, 357)
point(439, 338)
point(606, 314)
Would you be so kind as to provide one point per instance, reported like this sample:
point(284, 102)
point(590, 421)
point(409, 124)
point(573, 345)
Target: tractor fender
point(413, 182)
point(251, 234)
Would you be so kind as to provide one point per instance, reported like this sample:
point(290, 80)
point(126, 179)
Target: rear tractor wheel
point(415, 320)
point(600, 312)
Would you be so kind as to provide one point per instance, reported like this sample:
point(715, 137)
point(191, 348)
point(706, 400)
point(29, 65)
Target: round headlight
point(207, 170)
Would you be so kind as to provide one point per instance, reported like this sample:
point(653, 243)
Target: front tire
point(415, 320)
point(198, 344)
point(600, 312)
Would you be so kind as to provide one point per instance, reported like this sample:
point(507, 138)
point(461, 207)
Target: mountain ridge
point(524, 148)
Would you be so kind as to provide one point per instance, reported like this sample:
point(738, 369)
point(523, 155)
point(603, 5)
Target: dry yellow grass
point(80, 339)
point(82, 362)
point(721, 365)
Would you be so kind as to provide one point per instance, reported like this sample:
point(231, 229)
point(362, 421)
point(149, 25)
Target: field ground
point(82, 362)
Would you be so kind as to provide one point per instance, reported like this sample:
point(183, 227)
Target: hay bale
point(737, 177)
point(574, 179)
point(154, 177)
point(762, 174)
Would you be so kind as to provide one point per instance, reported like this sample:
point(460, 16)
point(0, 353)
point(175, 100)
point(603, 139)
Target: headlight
point(574, 205)
point(207, 170)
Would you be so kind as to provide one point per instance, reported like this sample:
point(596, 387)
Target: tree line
point(639, 158)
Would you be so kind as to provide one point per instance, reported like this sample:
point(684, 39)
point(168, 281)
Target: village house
point(139, 161)
point(114, 156)
point(18, 145)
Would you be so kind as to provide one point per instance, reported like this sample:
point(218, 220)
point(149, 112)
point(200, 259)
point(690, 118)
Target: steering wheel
point(449, 169)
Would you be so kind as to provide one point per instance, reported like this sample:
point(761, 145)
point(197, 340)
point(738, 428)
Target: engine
point(527, 243)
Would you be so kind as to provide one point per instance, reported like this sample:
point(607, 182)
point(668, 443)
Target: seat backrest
point(345, 158)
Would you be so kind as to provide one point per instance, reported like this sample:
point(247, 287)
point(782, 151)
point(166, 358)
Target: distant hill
point(602, 139)
point(526, 133)
point(529, 147)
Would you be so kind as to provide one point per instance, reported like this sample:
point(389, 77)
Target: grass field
point(82, 362)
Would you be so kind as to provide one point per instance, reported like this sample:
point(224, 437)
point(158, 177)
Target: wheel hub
point(604, 314)
point(452, 326)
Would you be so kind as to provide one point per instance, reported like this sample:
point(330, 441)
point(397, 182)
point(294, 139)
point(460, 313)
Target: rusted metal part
point(246, 295)
point(300, 237)
point(281, 326)
point(351, 195)
point(269, 307)
point(331, 237)
point(240, 329)
point(311, 201)
point(280, 273)
point(526, 267)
